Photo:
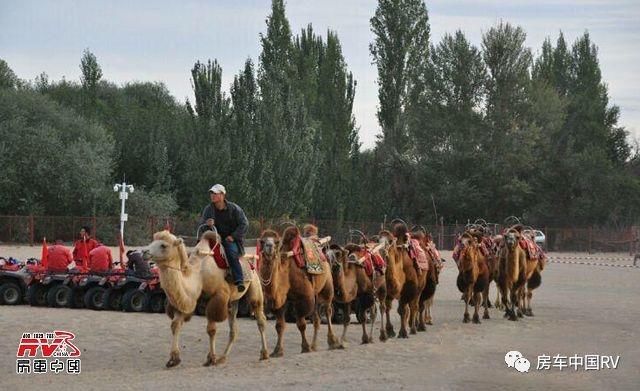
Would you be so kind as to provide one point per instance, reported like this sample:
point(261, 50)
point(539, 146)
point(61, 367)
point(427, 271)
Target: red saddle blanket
point(532, 249)
point(307, 255)
point(217, 251)
point(419, 256)
point(372, 262)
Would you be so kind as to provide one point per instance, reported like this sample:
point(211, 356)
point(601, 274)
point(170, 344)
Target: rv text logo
point(55, 344)
point(50, 352)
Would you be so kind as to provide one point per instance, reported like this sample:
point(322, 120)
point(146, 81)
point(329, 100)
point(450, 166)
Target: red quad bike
point(14, 280)
point(156, 298)
point(70, 292)
point(47, 288)
point(93, 287)
point(132, 293)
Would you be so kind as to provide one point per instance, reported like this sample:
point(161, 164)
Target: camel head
point(288, 236)
point(511, 238)
point(400, 232)
point(167, 249)
point(337, 257)
point(269, 242)
point(309, 230)
point(469, 252)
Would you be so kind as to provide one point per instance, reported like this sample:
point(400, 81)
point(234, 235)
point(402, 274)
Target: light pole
point(124, 189)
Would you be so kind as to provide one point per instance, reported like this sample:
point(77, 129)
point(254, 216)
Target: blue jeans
point(233, 256)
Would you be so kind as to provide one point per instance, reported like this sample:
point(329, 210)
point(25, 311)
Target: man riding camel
point(231, 223)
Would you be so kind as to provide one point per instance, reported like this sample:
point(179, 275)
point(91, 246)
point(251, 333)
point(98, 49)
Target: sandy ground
point(580, 309)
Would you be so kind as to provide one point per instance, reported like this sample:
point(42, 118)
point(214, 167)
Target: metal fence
point(139, 231)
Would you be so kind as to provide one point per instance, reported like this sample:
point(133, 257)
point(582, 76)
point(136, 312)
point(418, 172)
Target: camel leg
point(211, 331)
point(280, 325)
point(520, 302)
point(487, 305)
point(422, 314)
point(374, 314)
point(514, 302)
point(345, 324)
point(403, 311)
point(476, 307)
point(332, 340)
point(233, 332)
point(528, 311)
point(383, 310)
point(316, 327)
point(301, 322)
point(413, 315)
point(389, 327)
point(466, 317)
point(257, 305)
point(428, 319)
point(176, 325)
point(498, 302)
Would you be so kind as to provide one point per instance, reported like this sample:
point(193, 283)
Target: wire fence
point(139, 231)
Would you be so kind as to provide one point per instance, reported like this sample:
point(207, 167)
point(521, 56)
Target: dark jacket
point(229, 221)
point(137, 263)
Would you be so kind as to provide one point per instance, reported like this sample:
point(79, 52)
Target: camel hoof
point(220, 360)
point(486, 316)
point(173, 362)
point(403, 334)
point(528, 312)
point(305, 349)
point(520, 315)
point(277, 353)
point(391, 333)
point(370, 339)
point(264, 355)
point(210, 361)
point(313, 348)
point(513, 318)
point(413, 331)
point(476, 319)
point(466, 318)
point(430, 323)
point(422, 327)
point(383, 337)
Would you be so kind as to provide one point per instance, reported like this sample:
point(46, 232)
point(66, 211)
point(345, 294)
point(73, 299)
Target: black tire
point(60, 296)
point(157, 302)
point(113, 299)
point(134, 300)
point(77, 298)
point(94, 298)
point(10, 293)
point(37, 295)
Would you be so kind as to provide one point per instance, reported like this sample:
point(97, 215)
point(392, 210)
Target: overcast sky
point(160, 40)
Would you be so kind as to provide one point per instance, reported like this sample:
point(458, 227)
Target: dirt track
point(580, 309)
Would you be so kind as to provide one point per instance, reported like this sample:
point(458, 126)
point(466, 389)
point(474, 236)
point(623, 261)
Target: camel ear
point(178, 241)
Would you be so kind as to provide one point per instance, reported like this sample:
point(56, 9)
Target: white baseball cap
point(217, 189)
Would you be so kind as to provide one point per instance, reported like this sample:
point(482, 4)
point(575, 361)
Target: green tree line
point(467, 132)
